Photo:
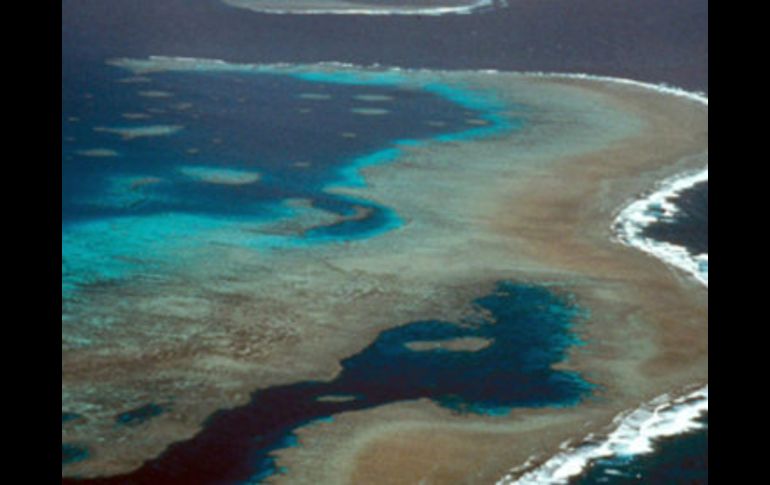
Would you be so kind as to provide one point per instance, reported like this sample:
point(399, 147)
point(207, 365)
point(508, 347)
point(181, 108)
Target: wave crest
point(632, 221)
point(634, 434)
point(635, 431)
point(347, 8)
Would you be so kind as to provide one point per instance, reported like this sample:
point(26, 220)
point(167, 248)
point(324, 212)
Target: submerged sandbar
point(465, 344)
point(221, 176)
point(131, 132)
point(98, 152)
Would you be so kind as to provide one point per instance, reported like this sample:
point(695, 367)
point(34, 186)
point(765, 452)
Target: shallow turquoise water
point(157, 164)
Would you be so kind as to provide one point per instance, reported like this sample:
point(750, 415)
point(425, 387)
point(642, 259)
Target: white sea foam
point(352, 9)
point(639, 214)
point(663, 88)
point(635, 217)
point(635, 433)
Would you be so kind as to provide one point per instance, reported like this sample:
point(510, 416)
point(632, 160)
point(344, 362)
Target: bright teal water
point(130, 203)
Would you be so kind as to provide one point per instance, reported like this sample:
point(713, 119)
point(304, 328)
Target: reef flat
point(534, 206)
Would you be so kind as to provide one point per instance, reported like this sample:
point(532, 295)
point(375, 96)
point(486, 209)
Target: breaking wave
point(635, 432)
point(657, 206)
point(345, 8)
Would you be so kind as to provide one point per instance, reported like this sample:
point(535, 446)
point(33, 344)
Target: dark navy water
point(654, 40)
point(238, 149)
point(254, 123)
point(680, 460)
point(528, 330)
point(690, 225)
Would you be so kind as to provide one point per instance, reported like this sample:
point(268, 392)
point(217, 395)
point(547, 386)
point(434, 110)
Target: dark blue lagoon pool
point(512, 342)
point(154, 161)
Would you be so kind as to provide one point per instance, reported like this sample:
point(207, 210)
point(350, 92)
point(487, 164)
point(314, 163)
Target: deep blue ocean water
point(679, 460)
point(690, 226)
point(528, 332)
point(655, 40)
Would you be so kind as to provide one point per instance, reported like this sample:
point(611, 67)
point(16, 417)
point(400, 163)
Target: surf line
point(635, 434)
point(346, 8)
point(634, 431)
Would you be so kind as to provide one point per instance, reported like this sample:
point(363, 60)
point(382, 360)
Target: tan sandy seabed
point(535, 206)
